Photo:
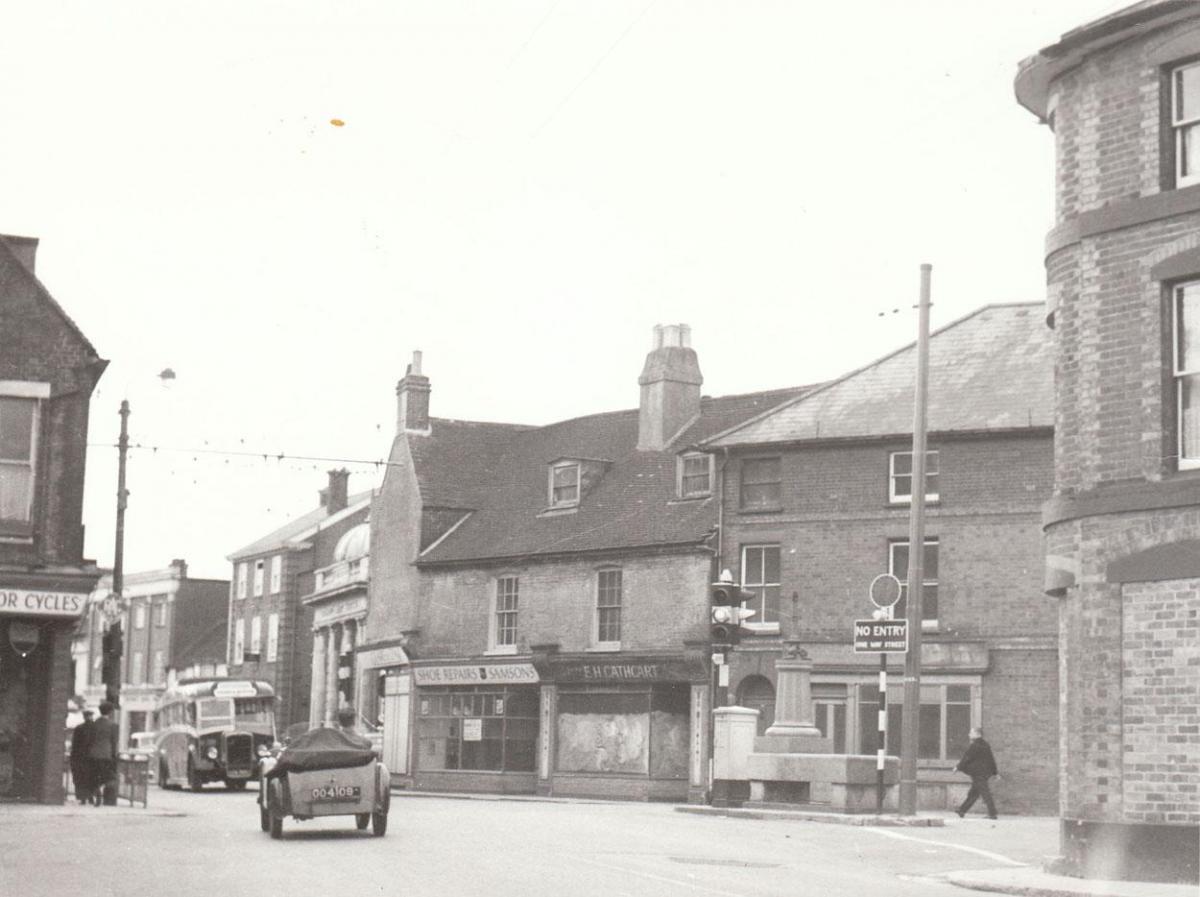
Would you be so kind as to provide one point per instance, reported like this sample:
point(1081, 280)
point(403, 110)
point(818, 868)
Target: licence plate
point(337, 792)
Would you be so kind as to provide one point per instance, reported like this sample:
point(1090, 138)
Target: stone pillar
point(316, 712)
point(331, 682)
point(793, 695)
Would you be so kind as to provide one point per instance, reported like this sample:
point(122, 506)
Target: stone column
point(331, 683)
point(793, 699)
point(316, 712)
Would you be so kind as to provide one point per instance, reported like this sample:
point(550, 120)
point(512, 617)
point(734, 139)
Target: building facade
point(816, 504)
point(173, 627)
point(48, 370)
point(270, 626)
point(538, 603)
point(1123, 527)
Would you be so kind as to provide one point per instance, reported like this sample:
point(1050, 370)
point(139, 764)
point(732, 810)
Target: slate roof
point(500, 472)
point(991, 370)
point(279, 538)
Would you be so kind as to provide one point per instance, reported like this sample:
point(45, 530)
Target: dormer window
point(564, 484)
point(694, 474)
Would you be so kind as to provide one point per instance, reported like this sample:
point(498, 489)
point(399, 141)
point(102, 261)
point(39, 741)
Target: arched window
point(757, 693)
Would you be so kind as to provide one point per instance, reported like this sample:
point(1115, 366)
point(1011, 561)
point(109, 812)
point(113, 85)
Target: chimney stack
point(24, 248)
point(412, 394)
point(336, 495)
point(670, 384)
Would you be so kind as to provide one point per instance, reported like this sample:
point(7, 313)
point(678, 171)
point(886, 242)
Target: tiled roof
point(992, 370)
point(501, 475)
point(280, 537)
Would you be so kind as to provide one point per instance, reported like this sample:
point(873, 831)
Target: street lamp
point(114, 605)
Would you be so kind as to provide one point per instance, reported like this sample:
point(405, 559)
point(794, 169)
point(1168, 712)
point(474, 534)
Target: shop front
point(37, 619)
point(477, 727)
point(628, 727)
point(385, 699)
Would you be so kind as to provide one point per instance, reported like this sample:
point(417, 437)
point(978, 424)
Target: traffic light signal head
point(727, 610)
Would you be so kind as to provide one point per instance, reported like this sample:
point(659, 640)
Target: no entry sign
point(881, 636)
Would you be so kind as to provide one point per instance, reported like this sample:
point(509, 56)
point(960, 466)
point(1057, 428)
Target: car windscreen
point(214, 712)
point(254, 711)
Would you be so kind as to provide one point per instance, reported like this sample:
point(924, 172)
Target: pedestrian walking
point(980, 765)
point(102, 754)
point(81, 743)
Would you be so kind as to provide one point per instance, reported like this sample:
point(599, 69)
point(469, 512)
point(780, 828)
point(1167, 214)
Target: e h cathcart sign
point(34, 602)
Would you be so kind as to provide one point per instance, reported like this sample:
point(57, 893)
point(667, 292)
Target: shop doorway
point(24, 695)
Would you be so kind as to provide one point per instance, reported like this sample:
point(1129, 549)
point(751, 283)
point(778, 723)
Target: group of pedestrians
point(94, 758)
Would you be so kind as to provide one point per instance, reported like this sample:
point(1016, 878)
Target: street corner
point(1029, 881)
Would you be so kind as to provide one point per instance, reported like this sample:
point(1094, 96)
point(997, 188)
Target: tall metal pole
point(910, 729)
point(113, 685)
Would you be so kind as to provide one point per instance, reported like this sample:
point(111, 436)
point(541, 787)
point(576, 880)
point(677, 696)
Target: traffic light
point(727, 610)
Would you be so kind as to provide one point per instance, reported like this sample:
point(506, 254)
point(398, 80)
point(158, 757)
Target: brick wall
point(1161, 701)
point(664, 603)
point(1020, 717)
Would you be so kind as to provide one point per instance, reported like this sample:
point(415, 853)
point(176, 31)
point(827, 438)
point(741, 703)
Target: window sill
point(680, 499)
point(556, 512)
point(777, 509)
point(501, 651)
point(604, 648)
point(905, 504)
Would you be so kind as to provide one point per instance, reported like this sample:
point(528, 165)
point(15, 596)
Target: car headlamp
point(212, 753)
point(263, 751)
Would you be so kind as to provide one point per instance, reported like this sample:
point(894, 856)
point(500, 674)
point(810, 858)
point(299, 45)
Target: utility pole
point(115, 637)
point(910, 730)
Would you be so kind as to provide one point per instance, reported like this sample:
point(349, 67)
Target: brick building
point(538, 604)
point(816, 503)
point(270, 628)
point(173, 627)
point(48, 370)
point(1121, 96)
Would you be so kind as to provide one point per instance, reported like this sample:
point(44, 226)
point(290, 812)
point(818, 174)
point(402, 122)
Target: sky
point(281, 201)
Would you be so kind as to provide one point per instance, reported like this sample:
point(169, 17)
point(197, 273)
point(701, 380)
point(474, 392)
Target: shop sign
point(500, 673)
point(666, 670)
point(473, 730)
point(34, 602)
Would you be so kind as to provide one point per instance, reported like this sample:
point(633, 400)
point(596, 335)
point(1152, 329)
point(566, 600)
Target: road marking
point(1000, 858)
point(724, 892)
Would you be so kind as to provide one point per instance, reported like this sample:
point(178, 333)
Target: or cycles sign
point(881, 636)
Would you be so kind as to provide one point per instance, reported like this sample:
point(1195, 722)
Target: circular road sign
point(885, 590)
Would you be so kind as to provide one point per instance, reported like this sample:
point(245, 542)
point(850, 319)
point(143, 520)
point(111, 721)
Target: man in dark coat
point(81, 742)
point(980, 765)
point(103, 756)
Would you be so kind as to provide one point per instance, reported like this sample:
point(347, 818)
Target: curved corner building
point(1122, 96)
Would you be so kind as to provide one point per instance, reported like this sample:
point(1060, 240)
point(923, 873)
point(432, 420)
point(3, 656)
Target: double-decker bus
point(213, 730)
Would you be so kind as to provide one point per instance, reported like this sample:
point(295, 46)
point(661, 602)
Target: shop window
point(943, 729)
point(757, 693)
point(634, 731)
point(493, 729)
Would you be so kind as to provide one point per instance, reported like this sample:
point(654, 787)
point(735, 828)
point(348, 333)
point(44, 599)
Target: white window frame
point(759, 624)
point(1182, 374)
point(35, 392)
point(241, 579)
point(896, 497)
point(499, 607)
point(136, 664)
point(742, 484)
point(256, 634)
point(272, 638)
point(276, 573)
point(598, 643)
point(1182, 128)
point(565, 502)
point(680, 471)
point(239, 641)
point(260, 567)
point(928, 624)
point(139, 615)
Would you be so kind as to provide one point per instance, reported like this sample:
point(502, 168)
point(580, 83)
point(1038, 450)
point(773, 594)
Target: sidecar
point(325, 773)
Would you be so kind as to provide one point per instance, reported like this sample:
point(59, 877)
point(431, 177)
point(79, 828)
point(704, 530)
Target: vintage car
point(325, 772)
